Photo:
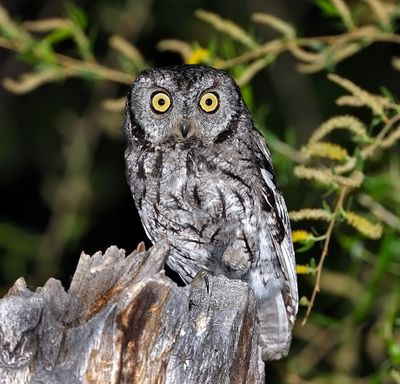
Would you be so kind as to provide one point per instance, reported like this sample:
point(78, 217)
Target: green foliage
point(327, 7)
point(342, 182)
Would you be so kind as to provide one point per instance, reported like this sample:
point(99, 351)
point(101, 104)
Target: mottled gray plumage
point(201, 176)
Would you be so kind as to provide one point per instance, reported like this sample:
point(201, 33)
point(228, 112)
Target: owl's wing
point(287, 261)
point(275, 326)
point(279, 220)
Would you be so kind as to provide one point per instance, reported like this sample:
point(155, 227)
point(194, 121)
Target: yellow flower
point(326, 149)
point(198, 55)
point(364, 226)
point(301, 235)
point(303, 270)
point(304, 301)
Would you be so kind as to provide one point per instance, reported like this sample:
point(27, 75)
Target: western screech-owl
point(201, 177)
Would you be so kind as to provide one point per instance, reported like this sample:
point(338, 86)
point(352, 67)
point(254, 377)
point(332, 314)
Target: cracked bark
point(123, 321)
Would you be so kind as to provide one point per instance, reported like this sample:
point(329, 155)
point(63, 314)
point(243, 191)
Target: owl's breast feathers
point(205, 193)
point(191, 184)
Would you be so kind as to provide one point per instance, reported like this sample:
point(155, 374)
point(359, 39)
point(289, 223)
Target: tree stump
point(123, 321)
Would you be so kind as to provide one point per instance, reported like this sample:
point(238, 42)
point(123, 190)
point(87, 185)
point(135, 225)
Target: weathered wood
point(123, 321)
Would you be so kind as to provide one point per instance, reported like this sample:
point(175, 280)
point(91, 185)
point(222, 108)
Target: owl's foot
point(235, 261)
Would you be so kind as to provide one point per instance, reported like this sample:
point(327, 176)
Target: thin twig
point(76, 64)
point(370, 149)
point(368, 34)
point(324, 253)
point(288, 151)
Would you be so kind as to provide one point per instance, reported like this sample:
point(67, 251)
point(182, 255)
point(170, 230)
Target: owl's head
point(188, 102)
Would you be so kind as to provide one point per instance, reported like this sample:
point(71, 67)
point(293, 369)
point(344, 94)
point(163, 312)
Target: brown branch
point(367, 34)
point(324, 253)
point(79, 66)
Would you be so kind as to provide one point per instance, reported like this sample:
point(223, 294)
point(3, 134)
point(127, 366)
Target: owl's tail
point(275, 328)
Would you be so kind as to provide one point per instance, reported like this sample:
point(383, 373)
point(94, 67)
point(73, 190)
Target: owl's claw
point(235, 261)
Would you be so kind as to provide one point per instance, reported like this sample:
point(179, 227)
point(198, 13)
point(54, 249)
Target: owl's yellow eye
point(160, 102)
point(209, 102)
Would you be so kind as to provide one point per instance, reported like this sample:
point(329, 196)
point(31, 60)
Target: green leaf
point(229, 50)
point(57, 36)
point(394, 352)
point(247, 93)
point(76, 14)
point(327, 8)
point(213, 46)
point(306, 247)
point(386, 92)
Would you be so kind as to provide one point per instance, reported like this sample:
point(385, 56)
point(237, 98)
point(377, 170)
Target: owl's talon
point(235, 261)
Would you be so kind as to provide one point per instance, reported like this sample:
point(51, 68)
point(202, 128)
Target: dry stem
point(324, 253)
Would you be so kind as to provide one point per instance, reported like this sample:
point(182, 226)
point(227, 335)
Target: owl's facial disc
point(186, 102)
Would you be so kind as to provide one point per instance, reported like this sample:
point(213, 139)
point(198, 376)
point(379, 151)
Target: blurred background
point(63, 187)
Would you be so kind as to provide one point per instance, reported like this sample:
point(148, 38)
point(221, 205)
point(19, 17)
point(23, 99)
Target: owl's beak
point(185, 129)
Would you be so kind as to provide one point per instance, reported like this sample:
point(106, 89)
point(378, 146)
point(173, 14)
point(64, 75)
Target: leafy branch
point(312, 53)
point(331, 165)
point(51, 66)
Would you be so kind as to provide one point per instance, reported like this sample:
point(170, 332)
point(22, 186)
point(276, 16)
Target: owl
point(201, 177)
